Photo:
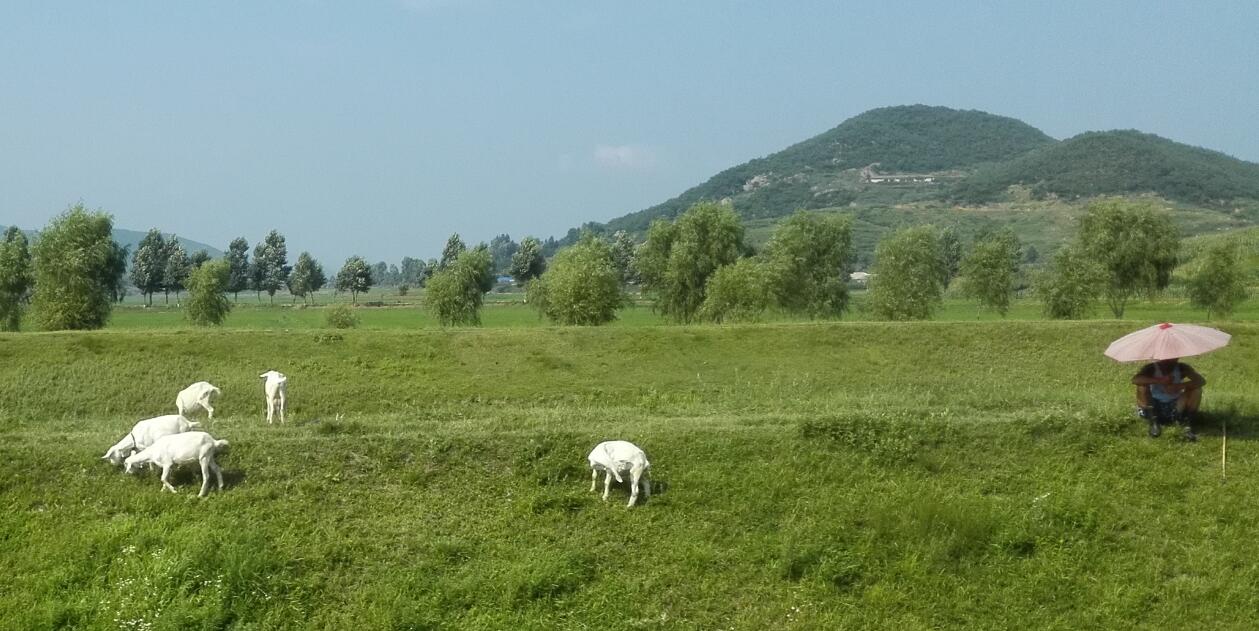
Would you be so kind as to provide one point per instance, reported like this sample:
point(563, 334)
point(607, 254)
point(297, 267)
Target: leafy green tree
point(990, 269)
point(72, 265)
point(623, 249)
point(454, 294)
point(1134, 242)
point(951, 253)
point(527, 262)
point(238, 279)
point(271, 261)
point(907, 280)
point(177, 269)
point(740, 292)
point(484, 261)
point(453, 248)
point(412, 271)
point(1219, 282)
point(199, 258)
point(257, 270)
point(117, 271)
point(380, 273)
point(677, 259)
point(809, 259)
point(1070, 284)
point(582, 285)
point(502, 248)
point(16, 278)
point(306, 278)
point(207, 293)
point(355, 277)
point(148, 264)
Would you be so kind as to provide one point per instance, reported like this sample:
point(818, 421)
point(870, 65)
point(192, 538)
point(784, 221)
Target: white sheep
point(145, 433)
point(180, 448)
point(197, 395)
point(274, 387)
point(615, 457)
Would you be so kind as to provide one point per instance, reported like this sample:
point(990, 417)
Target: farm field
point(983, 475)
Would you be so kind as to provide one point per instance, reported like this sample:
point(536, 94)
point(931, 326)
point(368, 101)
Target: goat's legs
point(636, 474)
point(283, 404)
point(205, 403)
point(594, 479)
point(270, 410)
point(218, 473)
point(205, 477)
point(165, 479)
point(607, 486)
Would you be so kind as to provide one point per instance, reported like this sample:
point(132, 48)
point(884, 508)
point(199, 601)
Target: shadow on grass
point(1240, 424)
point(181, 476)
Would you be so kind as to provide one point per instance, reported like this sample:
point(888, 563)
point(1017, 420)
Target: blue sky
point(379, 127)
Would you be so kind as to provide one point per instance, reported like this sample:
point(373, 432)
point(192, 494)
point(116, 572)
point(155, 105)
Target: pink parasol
point(1166, 341)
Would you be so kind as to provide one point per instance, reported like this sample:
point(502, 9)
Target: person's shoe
point(1155, 429)
point(1186, 422)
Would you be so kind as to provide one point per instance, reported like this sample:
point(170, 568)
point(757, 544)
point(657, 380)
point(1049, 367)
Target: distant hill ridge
point(905, 138)
point(131, 239)
point(951, 156)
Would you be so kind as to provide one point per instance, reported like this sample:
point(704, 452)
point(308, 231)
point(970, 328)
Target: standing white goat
point(615, 457)
point(274, 387)
point(197, 395)
point(146, 433)
point(179, 448)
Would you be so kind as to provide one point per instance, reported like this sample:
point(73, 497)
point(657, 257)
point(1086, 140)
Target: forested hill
point(1117, 162)
point(916, 138)
point(131, 239)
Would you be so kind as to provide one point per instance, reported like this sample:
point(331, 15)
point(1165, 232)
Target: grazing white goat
point(615, 457)
point(197, 395)
point(146, 433)
point(180, 448)
point(274, 387)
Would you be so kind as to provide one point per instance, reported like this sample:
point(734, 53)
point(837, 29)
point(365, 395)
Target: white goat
point(615, 457)
point(145, 433)
point(197, 395)
point(274, 388)
point(180, 448)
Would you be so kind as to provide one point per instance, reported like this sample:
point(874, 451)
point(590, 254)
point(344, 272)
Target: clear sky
point(379, 127)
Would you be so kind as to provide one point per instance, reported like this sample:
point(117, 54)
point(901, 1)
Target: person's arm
point(1146, 377)
point(1195, 380)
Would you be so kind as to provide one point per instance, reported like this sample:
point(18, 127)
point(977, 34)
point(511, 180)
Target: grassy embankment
point(815, 476)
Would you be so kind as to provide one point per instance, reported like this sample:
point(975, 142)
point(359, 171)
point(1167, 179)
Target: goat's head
point(115, 456)
point(132, 463)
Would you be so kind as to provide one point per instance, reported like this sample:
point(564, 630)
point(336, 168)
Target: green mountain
point(825, 171)
point(1117, 162)
point(897, 165)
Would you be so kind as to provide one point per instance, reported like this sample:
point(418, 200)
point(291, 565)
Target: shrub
point(341, 317)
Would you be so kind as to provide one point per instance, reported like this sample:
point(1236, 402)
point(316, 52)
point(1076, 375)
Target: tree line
point(698, 267)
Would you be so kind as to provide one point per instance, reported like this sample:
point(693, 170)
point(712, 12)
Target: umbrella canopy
point(1166, 341)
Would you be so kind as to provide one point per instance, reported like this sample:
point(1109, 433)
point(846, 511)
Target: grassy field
point(809, 476)
point(508, 311)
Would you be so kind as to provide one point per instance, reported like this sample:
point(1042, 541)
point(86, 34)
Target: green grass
point(815, 476)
